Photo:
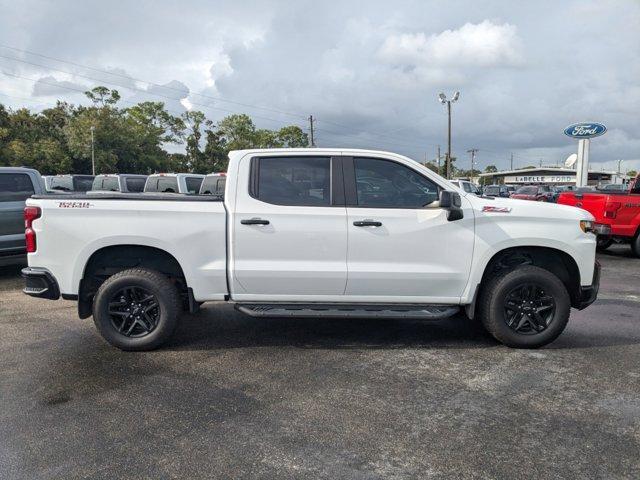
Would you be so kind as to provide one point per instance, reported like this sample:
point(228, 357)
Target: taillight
point(611, 209)
point(30, 214)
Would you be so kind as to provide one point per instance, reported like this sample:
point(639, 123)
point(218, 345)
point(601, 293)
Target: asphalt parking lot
point(237, 397)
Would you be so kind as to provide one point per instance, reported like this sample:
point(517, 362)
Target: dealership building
point(550, 176)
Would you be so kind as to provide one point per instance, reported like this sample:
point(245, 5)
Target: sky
point(369, 72)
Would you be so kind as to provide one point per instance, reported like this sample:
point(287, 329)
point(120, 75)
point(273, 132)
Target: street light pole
point(443, 99)
point(93, 156)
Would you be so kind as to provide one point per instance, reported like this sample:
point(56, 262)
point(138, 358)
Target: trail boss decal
point(75, 205)
point(490, 209)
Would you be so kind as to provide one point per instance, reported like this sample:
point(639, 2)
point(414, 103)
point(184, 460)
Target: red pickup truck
point(618, 214)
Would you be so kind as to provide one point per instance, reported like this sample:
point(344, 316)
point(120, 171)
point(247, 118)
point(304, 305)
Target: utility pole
point(93, 156)
point(473, 152)
point(511, 160)
point(311, 139)
point(438, 159)
point(443, 99)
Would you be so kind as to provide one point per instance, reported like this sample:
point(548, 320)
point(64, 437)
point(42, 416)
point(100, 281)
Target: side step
point(431, 312)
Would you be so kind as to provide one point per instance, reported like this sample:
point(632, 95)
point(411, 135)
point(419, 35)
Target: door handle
point(367, 223)
point(254, 221)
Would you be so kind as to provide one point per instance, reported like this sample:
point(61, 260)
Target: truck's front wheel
point(136, 309)
point(527, 307)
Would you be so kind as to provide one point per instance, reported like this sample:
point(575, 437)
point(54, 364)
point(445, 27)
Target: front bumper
point(39, 282)
point(589, 294)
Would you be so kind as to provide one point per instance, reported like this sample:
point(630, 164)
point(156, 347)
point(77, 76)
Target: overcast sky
point(368, 71)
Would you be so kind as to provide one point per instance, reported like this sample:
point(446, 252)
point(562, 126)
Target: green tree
point(632, 173)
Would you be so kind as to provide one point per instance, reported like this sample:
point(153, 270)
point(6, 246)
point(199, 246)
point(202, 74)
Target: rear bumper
point(589, 294)
point(39, 282)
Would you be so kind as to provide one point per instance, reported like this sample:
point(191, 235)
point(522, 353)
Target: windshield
point(527, 191)
point(491, 190)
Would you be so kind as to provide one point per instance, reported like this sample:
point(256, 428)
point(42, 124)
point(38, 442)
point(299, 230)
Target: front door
point(289, 230)
point(401, 246)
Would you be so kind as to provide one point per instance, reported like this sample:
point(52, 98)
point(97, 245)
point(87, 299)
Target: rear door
point(15, 188)
point(289, 230)
point(401, 247)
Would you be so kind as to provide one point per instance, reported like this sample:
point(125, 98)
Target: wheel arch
point(109, 260)
point(556, 261)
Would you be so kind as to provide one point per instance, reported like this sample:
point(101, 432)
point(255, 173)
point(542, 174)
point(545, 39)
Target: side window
point(15, 187)
point(193, 184)
point(387, 184)
point(135, 184)
point(296, 181)
point(466, 186)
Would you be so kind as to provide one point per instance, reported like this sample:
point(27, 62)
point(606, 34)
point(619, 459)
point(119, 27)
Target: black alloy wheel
point(528, 309)
point(134, 312)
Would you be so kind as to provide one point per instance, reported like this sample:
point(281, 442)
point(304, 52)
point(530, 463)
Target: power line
point(130, 78)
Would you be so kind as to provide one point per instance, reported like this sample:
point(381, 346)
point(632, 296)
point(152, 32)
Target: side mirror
point(451, 202)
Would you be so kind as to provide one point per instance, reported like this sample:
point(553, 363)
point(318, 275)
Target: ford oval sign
point(585, 130)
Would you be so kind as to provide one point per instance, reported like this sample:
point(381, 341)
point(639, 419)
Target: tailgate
point(593, 203)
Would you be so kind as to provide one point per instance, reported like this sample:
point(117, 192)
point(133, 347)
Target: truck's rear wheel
point(635, 245)
point(136, 309)
point(527, 307)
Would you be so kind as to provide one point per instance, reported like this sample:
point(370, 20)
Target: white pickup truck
point(319, 233)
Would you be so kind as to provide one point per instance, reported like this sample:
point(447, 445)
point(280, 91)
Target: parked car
point(298, 234)
point(124, 182)
point(538, 193)
point(68, 183)
point(616, 213)
point(16, 185)
point(467, 186)
point(213, 184)
point(613, 187)
point(496, 191)
point(174, 183)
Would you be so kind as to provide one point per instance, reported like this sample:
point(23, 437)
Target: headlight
point(586, 226)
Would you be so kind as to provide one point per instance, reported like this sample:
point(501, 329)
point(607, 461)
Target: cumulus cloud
point(370, 76)
point(50, 86)
point(484, 44)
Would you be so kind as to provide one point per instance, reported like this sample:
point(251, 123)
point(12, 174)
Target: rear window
point(109, 184)
point(213, 186)
point(135, 184)
point(491, 190)
point(527, 190)
point(62, 183)
point(163, 184)
point(15, 187)
point(193, 184)
point(82, 184)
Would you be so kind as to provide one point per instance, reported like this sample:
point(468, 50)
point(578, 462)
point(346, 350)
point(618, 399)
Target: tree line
point(129, 140)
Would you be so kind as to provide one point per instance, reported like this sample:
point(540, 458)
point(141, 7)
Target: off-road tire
point(166, 295)
point(494, 294)
point(635, 245)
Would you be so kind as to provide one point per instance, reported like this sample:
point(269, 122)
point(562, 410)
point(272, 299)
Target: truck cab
point(127, 183)
point(173, 183)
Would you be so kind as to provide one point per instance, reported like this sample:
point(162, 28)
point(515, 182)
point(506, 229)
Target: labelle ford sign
point(540, 179)
point(585, 130)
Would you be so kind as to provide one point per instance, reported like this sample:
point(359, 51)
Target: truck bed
point(191, 228)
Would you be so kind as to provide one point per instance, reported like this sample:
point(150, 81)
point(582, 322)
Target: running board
point(430, 312)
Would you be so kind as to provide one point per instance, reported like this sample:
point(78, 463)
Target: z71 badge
point(75, 205)
point(491, 209)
